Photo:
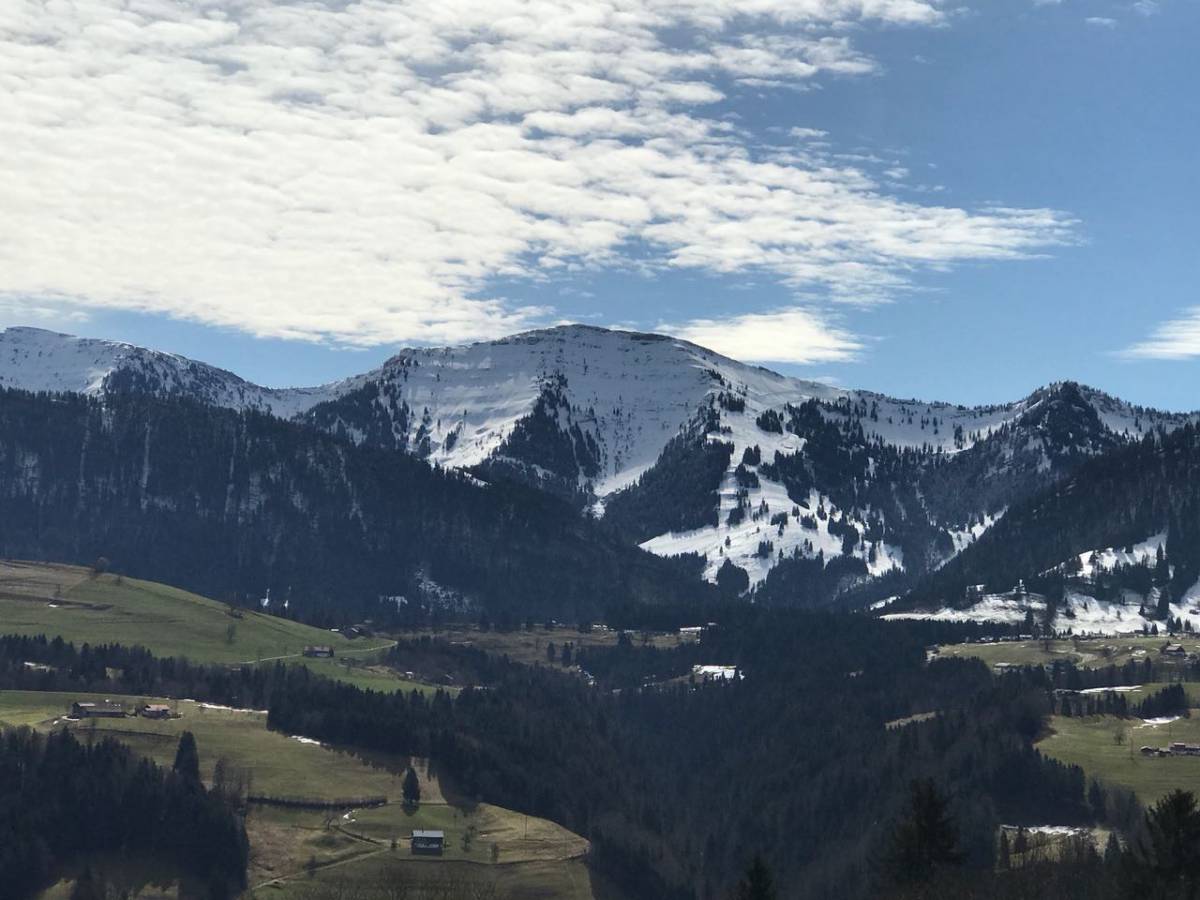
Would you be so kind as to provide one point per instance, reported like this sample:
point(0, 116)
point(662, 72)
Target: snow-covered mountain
point(33, 359)
point(617, 419)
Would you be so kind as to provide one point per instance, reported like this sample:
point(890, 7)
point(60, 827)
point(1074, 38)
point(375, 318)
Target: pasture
point(1091, 653)
point(74, 603)
point(1107, 748)
point(529, 646)
point(294, 850)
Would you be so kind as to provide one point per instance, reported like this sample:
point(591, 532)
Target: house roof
point(439, 835)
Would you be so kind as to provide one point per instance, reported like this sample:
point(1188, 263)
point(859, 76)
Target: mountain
point(232, 503)
point(795, 489)
point(36, 360)
point(1114, 546)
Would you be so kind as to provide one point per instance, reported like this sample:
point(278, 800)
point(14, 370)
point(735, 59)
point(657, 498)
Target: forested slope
point(226, 502)
point(1113, 500)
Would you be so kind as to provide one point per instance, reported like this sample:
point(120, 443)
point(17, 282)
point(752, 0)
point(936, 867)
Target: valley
point(583, 581)
point(599, 450)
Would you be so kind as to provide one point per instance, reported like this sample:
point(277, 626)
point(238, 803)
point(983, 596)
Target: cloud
point(1101, 21)
point(361, 172)
point(1147, 7)
point(46, 315)
point(1176, 339)
point(797, 335)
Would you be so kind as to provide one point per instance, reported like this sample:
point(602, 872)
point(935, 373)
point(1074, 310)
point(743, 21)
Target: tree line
point(65, 800)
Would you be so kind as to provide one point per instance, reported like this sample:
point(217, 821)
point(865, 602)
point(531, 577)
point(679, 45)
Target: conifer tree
point(411, 788)
point(187, 760)
point(1112, 850)
point(88, 886)
point(757, 883)
point(926, 840)
point(1172, 851)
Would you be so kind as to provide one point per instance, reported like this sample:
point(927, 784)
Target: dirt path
point(251, 662)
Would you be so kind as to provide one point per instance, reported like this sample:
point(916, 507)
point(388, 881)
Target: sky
point(957, 201)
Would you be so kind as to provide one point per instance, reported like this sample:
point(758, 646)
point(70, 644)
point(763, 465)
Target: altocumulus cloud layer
point(360, 171)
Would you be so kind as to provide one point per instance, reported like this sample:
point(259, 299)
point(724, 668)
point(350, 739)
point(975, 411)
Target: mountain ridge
point(808, 471)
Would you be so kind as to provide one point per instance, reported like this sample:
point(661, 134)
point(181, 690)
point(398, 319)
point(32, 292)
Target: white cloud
point(1101, 21)
point(46, 315)
point(796, 335)
point(1146, 7)
point(359, 172)
point(1176, 339)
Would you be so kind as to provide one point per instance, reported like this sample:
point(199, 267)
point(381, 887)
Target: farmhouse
point(318, 651)
point(431, 842)
point(156, 711)
point(105, 709)
point(1178, 748)
point(1174, 650)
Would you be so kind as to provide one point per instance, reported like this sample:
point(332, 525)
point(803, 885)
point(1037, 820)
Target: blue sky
point(955, 203)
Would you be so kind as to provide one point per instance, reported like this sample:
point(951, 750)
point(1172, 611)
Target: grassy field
point(564, 880)
point(280, 765)
point(1091, 743)
point(1091, 653)
point(530, 646)
point(68, 601)
point(532, 857)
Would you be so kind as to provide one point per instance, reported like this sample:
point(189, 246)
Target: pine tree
point(757, 883)
point(1096, 799)
point(1004, 855)
point(412, 788)
point(1163, 610)
point(925, 840)
point(1172, 854)
point(187, 760)
point(1112, 850)
point(89, 886)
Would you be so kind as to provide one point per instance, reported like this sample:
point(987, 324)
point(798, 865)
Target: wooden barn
point(104, 709)
point(431, 842)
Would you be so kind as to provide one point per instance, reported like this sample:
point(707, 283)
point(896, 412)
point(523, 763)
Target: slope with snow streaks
point(631, 392)
point(587, 411)
point(34, 359)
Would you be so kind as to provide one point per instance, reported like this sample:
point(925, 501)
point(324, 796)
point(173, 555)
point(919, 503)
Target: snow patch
point(234, 709)
point(1003, 608)
point(1160, 720)
point(717, 673)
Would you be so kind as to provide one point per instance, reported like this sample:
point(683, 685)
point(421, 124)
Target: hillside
point(33, 359)
point(232, 504)
point(1114, 546)
point(295, 847)
point(80, 605)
